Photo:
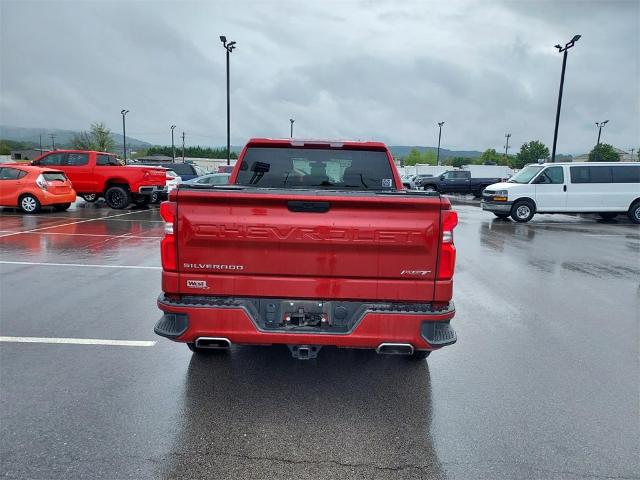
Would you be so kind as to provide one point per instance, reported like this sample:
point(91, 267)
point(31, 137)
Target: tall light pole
point(439, 137)
point(41, 146)
point(124, 134)
point(291, 120)
point(506, 147)
point(182, 147)
point(564, 67)
point(599, 125)
point(53, 141)
point(229, 48)
point(173, 145)
point(632, 149)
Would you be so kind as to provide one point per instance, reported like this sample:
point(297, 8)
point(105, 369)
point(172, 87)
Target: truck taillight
point(168, 243)
point(447, 254)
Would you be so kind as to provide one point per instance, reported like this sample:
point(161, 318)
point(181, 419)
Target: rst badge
point(201, 284)
point(421, 273)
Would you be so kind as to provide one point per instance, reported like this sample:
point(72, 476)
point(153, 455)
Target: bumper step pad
point(171, 325)
point(439, 333)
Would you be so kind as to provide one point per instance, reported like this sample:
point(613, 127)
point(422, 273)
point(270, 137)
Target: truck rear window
point(270, 167)
point(183, 168)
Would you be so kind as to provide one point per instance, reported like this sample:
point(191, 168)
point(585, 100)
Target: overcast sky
point(343, 69)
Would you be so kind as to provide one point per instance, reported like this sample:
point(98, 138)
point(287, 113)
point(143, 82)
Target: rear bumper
point(48, 198)
point(500, 207)
point(149, 189)
point(427, 329)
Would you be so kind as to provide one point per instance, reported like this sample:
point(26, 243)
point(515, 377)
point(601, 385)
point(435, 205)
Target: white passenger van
point(605, 188)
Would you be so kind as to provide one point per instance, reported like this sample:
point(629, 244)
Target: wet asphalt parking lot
point(543, 382)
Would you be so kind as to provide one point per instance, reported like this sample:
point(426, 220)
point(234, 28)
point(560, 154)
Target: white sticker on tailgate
point(201, 284)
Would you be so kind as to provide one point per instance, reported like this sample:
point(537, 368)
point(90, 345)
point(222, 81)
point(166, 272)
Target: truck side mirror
point(441, 177)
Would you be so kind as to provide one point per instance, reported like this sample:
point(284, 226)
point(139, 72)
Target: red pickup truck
point(98, 174)
point(311, 244)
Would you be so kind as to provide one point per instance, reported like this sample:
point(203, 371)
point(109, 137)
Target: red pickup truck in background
point(98, 174)
point(312, 244)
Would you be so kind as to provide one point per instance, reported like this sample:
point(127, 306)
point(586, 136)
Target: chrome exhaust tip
point(394, 349)
point(216, 343)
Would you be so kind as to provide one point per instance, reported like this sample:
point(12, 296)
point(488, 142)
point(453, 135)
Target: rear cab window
point(104, 160)
point(316, 168)
point(183, 169)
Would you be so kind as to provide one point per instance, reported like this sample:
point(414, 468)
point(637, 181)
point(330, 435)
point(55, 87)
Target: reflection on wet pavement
point(541, 384)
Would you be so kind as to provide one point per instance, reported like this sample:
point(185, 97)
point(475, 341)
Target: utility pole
point(124, 135)
point(632, 154)
point(564, 50)
point(599, 125)
point(42, 150)
point(439, 137)
point(173, 145)
point(229, 48)
point(291, 120)
point(182, 147)
point(506, 147)
point(53, 141)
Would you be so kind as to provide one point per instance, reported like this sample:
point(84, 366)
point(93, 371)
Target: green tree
point(98, 138)
point(413, 158)
point(458, 162)
point(429, 157)
point(489, 156)
point(603, 153)
point(531, 152)
point(102, 137)
point(82, 141)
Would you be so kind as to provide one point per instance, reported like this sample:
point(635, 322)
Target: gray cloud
point(346, 69)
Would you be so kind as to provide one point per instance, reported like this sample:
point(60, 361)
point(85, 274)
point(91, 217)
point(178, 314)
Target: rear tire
point(501, 216)
point(29, 204)
point(522, 211)
point(419, 355)
point(90, 197)
point(634, 212)
point(607, 216)
point(142, 200)
point(117, 197)
point(478, 193)
point(61, 207)
point(430, 188)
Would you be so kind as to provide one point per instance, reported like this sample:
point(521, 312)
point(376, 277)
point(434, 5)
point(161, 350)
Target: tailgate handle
point(313, 207)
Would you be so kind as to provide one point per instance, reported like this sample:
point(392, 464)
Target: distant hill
point(62, 137)
point(403, 151)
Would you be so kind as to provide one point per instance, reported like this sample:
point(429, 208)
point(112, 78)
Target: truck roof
point(317, 143)
point(66, 150)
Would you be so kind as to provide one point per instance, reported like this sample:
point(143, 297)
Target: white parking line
point(140, 267)
point(80, 218)
point(633, 235)
point(125, 235)
point(67, 224)
point(79, 341)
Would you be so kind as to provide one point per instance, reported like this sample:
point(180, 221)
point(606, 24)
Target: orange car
point(31, 188)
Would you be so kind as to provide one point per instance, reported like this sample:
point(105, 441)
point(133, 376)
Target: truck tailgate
point(328, 245)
